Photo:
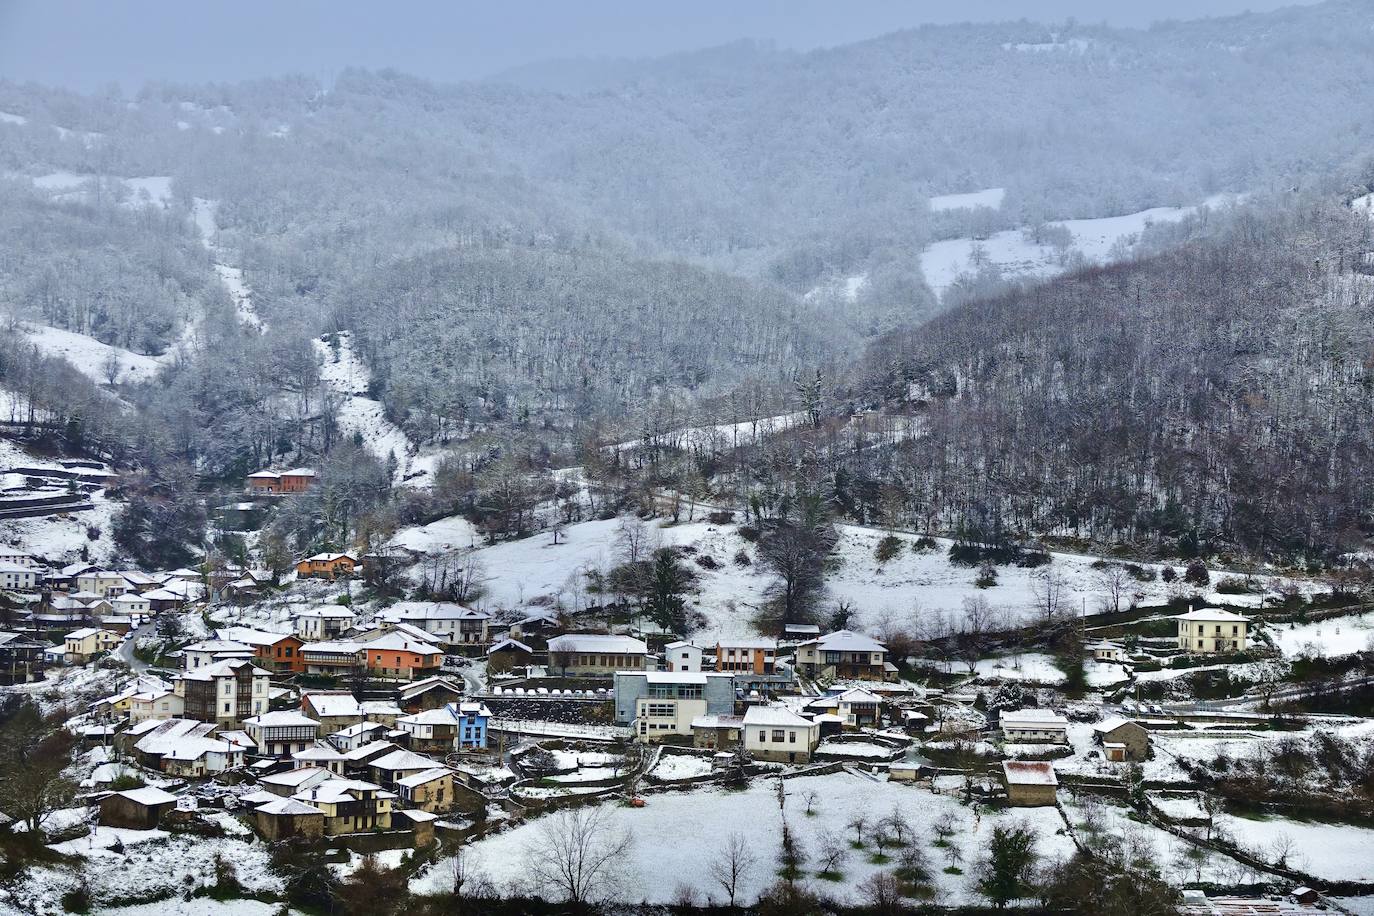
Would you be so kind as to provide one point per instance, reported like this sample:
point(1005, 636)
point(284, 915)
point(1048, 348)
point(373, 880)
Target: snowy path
point(203, 212)
point(346, 375)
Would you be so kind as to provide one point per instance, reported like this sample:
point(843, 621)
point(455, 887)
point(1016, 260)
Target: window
point(791, 737)
point(227, 707)
point(778, 735)
point(660, 710)
point(763, 736)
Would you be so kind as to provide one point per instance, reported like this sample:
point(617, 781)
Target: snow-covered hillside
point(913, 589)
point(346, 375)
point(1015, 254)
point(91, 357)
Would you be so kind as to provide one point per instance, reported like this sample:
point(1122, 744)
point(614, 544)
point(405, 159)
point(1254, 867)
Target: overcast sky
point(86, 45)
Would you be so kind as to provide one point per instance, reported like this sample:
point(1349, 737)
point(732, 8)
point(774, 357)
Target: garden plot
point(664, 854)
point(681, 766)
point(1331, 852)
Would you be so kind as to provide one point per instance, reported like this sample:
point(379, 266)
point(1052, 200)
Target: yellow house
point(1213, 630)
point(82, 645)
point(350, 805)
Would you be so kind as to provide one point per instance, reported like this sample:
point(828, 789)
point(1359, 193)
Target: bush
point(1033, 559)
point(742, 558)
point(1141, 573)
point(888, 549)
point(77, 900)
point(706, 561)
point(987, 576)
point(1197, 574)
point(721, 517)
point(924, 544)
point(1168, 574)
point(962, 554)
point(1234, 585)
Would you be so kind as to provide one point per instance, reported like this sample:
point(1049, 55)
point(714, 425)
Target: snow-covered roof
point(318, 752)
point(424, 776)
point(299, 472)
point(717, 722)
point(1212, 615)
point(358, 728)
point(598, 642)
point(327, 611)
point(218, 645)
point(297, 777)
point(334, 647)
point(1029, 773)
point(251, 637)
point(774, 716)
point(287, 806)
point(281, 718)
point(1111, 725)
point(379, 708)
point(333, 705)
point(417, 687)
point(438, 716)
point(1033, 717)
point(473, 708)
point(849, 641)
point(396, 642)
point(403, 760)
point(416, 815)
point(227, 668)
point(748, 642)
point(148, 795)
point(510, 644)
point(264, 475)
point(675, 677)
point(858, 695)
point(85, 632)
point(368, 750)
point(333, 791)
point(430, 610)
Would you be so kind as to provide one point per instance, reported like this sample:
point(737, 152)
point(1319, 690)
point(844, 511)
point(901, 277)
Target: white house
point(449, 622)
point(103, 583)
point(14, 577)
point(131, 604)
point(595, 653)
point(211, 651)
point(322, 624)
point(1213, 630)
point(682, 656)
point(281, 733)
point(777, 733)
point(155, 704)
point(1034, 726)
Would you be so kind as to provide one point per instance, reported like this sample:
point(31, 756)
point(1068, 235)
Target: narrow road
point(125, 651)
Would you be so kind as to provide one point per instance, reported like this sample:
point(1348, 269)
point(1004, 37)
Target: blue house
point(472, 725)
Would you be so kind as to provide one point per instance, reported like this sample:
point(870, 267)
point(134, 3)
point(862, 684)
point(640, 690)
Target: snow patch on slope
point(203, 213)
point(988, 197)
point(346, 375)
point(1011, 252)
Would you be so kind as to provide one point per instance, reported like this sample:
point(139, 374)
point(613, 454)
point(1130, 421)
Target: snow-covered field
point(664, 855)
point(346, 375)
point(1013, 254)
point(1334, 852)
point(1329, 638)
point(988, 197)
point(722, 435)
point(1026, 666)
point(447, 534)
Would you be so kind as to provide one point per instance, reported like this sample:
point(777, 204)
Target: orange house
point(396, 655)
point(296, 480)
point(326, 566)
point(747, 656)
point(282, 655)
point(273, 651)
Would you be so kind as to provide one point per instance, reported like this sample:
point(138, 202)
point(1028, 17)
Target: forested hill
point(1220, 392)
point(554, 253)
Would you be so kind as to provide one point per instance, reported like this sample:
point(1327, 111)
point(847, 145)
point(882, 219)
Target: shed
point(136, 809)
point(1029, 783)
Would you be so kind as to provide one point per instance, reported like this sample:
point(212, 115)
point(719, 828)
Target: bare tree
point(1048, 587)
point(631, 539)
point(831, 853)
point(857, 823)
point(810, 797)
point(1116, 583)
point(579, 854)
point(733, 866)
point(882, 894)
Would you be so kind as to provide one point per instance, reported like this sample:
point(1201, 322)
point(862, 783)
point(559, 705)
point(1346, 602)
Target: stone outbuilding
point(1122, 740)
point(1029, 783)
point(286, 819)
point(136, 809)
